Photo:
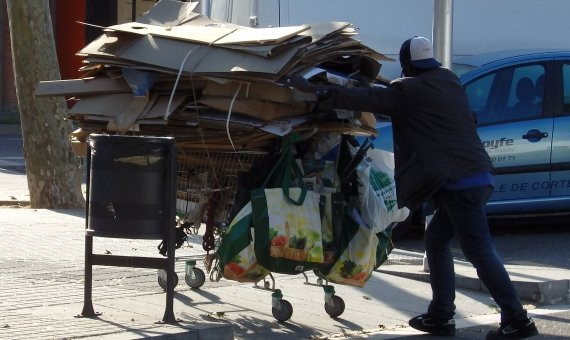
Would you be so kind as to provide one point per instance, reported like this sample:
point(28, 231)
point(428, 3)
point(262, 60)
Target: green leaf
point(347, 269)
point(272, 233)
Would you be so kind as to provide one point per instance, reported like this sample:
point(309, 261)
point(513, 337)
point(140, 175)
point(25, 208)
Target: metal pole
point(253, 14)
point(88, 310)
point(88, 282)
point(206, 8)
point(133, 10)
point(170, 224)
point(442, 35)
point(442, 32)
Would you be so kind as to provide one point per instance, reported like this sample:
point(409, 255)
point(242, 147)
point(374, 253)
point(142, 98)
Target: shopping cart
point(207, 189)
point(205, 194)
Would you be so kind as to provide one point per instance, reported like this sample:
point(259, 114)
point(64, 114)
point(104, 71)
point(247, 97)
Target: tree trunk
point(54, 173)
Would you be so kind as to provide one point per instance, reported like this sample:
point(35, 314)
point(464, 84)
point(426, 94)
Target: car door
point(560, 184)
point(515, 128)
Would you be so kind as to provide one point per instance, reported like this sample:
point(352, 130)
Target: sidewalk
point(13, 185)
point(42, 263)
point(539, 285)
point(13, 188)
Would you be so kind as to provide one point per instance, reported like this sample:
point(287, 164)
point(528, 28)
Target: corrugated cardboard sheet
point(213, 81)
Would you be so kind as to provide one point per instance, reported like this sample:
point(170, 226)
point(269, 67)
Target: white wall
point(490, 25)
point(479, 25)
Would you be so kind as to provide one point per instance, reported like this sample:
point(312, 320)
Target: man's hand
point(300, 83)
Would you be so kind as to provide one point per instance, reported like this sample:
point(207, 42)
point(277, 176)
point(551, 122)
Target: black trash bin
point(130, 178)
point(131, 193)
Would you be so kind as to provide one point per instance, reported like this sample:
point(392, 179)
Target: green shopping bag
point(287, 218)
point(288, 237)
point(356, 250)
point(236, 253)
point(385, 246)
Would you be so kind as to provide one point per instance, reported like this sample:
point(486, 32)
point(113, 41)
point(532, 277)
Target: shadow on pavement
point(143, 333)
point(254, 328)
point(71, 212)
point(211, 297)
point(539, 243)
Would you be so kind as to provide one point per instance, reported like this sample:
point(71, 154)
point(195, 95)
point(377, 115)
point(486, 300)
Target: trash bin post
point(88, 286)
point(171, 235)
point(88, 310)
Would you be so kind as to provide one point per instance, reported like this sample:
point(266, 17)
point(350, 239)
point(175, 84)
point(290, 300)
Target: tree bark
point(54, 174)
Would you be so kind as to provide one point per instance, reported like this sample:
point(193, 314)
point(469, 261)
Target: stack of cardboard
point(210, 83)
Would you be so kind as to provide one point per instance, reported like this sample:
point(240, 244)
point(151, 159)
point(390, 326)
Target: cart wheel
point(198, 280)
point(283, 312)
point(336, 308)
point(162, 283)
point(266, 285)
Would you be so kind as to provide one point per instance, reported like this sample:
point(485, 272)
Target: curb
point(14, 202)
point(222, 332)
point(191, 332)
point(546, 293)
point(10, 128)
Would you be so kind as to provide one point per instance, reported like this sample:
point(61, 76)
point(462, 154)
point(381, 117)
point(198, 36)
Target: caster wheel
point(198, 280)
point(336, 308)
point(162, 283)
point(283, 312)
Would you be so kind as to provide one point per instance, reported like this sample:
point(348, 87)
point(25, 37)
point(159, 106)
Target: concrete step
point(541, 285)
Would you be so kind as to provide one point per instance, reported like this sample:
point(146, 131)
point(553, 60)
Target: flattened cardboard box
point(260, 109)
point(169, 13)
point(81, 87)
point(257, 90)
point(160, 53)
point(202, 59)
point(213, 34)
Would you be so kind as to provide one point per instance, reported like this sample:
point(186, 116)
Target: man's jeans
point(461, 213)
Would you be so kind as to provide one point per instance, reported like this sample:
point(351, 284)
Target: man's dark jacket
point(435, 135)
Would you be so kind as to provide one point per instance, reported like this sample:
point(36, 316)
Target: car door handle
point(535, 135)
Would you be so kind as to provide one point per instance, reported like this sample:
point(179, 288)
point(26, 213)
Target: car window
point(524, 92)
point(566, 77)
point(508, 94)
point(478, 94)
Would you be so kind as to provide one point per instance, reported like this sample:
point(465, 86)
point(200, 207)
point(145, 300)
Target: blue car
point(522, 103)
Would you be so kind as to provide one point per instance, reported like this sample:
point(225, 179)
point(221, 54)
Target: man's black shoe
point(514, 330)
point(425, 323)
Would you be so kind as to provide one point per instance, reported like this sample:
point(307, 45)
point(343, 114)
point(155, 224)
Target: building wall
point(8, 99)
point(70, 37)
point(478, 25)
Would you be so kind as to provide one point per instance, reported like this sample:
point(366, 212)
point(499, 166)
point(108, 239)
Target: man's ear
point(405, 68)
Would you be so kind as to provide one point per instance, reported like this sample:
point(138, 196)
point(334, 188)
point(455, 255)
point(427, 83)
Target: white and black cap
point(418, 51)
